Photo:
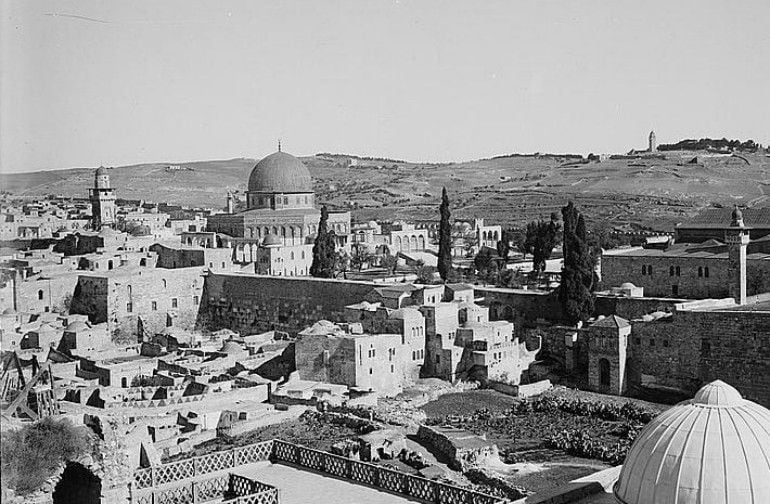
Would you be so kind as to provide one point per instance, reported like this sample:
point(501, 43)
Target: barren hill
point(650, 191)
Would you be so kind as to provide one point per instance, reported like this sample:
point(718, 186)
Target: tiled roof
point(721, 217)
point(612, 321)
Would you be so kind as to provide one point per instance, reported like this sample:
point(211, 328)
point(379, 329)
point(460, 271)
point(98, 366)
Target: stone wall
point(692, 348)
point(617, 269)
point(253, 303)
point(516, 305)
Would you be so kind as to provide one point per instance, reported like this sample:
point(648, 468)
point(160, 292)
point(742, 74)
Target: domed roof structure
point(280, 173)
point(713, 449)
point(627, 285)
point(737, 217)
point(77, 326)
point(101, 171)
point(231, 347)
point(271, 239)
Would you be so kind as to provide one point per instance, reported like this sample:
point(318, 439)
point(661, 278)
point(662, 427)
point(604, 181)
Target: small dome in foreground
point(713, 449)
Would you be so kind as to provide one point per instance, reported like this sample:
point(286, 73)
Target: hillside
point(652, 191)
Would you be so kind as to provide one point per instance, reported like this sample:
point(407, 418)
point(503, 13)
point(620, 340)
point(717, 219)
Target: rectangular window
point(154, 306)
point(652, 341)
point(174, 302)
point(129, 307)
point(195, 300)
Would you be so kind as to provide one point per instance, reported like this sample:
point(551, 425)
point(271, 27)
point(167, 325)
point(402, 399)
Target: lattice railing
point(242, 490)
point(205, 464)
point(377, 476)
point(254, 492)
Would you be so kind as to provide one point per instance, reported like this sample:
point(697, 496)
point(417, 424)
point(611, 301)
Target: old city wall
point(694, 347)
point(255, 303)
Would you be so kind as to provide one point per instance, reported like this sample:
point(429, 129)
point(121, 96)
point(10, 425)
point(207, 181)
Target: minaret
point(230, 203)
point(737, 239)
point(103, 210)
point(652, 146)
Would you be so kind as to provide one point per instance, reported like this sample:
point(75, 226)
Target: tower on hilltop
point(737, 239)
point(103, 210)
point(652, 145)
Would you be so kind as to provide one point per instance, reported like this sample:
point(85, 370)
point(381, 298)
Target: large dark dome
point(280, 173)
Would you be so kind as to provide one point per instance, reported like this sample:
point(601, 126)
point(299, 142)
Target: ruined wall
point(520, 306)
point(252, 303)
point(632, 307)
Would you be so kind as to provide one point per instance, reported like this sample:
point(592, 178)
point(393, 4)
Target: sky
point(94, 82)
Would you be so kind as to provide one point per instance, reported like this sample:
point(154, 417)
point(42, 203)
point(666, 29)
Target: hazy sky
point(118, 82)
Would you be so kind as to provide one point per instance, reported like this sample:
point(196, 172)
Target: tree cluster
point(32, 454)
point(708, 143)
point(540, 240)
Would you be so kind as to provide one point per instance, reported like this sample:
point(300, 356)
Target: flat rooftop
point(296, 486)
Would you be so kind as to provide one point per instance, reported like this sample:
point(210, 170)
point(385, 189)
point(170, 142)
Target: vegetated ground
point(510, 190)
point(537, 468)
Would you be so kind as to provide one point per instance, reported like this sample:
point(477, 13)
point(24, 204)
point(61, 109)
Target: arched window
point(706, 272)
point(700, 271)
point(40, 294)
point(644, 269)
point(604, 372)
point(292, 256)
point(128, 288)
point(165, 284)
point(649, 269)
point(671, 271)
point(678, 271)
point(303, 254)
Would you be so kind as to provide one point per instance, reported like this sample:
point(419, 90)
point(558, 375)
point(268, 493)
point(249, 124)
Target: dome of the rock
point(280, 173)
point(712, 449)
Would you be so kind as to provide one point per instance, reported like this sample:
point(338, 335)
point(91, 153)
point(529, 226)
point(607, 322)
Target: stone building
point(274, 258)
point(103, 208)
point(734, 266)
point(137, 301)
point(343, 354)
point(608, 346)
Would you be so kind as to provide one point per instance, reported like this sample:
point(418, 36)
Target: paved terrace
point(300, 486)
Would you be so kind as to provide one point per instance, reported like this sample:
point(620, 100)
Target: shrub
point(32, 454)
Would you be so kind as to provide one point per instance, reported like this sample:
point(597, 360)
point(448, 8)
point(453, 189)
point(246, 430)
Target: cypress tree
point(577, 275)
point(444, 238)
point(323, 249)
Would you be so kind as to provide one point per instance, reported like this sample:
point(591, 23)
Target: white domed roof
point(713, 449)
point(627, 285)
point(280, 173)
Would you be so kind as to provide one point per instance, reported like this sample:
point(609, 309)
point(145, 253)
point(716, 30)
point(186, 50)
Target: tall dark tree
point(323, 249)
point(577, 275)
point(504, 245)
point(444, 238)
point(541, 238)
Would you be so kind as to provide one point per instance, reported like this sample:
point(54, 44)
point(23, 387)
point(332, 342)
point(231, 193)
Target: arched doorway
point(604, 373)
point(78, 485)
